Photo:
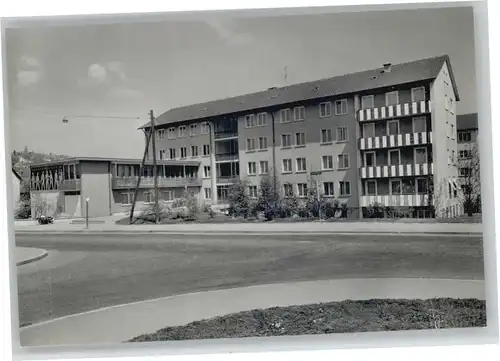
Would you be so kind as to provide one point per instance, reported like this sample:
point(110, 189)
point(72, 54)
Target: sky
point(125, 69)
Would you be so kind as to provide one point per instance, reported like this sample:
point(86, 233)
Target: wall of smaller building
point(96, 184)
point(16, 192)
point(47, 203)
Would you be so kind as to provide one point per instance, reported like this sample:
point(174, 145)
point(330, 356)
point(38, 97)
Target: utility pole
point(155, 170)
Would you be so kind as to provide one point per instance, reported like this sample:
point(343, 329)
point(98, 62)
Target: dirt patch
point(335, 317)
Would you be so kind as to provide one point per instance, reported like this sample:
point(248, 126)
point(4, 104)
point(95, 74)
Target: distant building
point(468, 130)
point(385, 136)
point(61, 187)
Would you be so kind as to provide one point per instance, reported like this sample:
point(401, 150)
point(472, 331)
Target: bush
point(269, 198)
point(374, 210)
point(329, 209)
point(239, 200)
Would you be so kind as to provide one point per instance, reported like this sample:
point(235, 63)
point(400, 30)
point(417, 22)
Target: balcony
point(401, 170)
point(403, 200)
point(394, 111)
point(232, 157)
point(226, 135)
point(396, 140)
point(148, 182)
point(65, 185)
point(228, 179)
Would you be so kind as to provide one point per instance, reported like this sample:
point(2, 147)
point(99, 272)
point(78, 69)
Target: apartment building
point(384, 136)
point(468, 147)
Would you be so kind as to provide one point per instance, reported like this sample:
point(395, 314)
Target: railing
point(228, 179)
point(226, 157)
point(148, 182)
point(226, 134)
point(401, 170)
point(396, 140)
point(65, 185)
point(394, 111)
point(403, 200)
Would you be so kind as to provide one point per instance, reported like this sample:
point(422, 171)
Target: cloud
point(97, 73)
point(116, 67)
point(30, 71)
point(124, 92)
point(28, 77)
point(228, 33)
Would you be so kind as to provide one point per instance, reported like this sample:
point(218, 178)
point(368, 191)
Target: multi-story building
point(385, 136)
point(62, 187)
point(468, 132)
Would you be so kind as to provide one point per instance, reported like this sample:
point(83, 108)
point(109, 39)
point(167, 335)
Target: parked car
point(45, 220)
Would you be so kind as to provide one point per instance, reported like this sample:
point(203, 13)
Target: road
point(87, 272)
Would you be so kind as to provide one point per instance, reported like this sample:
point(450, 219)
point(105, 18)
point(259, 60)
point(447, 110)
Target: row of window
point(419, 125)
point(420, 156)
point(418, 94)
point(183, 152)
point(397, 187)
point(464, 137)
point(182, 131)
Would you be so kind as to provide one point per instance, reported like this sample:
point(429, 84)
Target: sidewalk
point(28, 255)
point(259, 228)
point(121, 323)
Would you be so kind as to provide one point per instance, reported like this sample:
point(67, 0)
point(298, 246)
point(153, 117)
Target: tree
point(469, 180)
point(239, 199)
point(269, 197)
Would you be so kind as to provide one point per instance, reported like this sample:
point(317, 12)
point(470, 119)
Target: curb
point(33, 259)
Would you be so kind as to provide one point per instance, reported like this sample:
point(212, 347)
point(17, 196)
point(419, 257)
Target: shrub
point(329, 209)
point(374, 210)
point(239, 200)
point(269, 198)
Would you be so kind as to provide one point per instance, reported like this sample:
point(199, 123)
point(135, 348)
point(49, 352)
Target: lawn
point(334, 317)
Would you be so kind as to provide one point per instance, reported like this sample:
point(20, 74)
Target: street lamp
point(87, 199)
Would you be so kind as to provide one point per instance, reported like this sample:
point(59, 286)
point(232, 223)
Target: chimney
point(272, 88)
point(387, 67)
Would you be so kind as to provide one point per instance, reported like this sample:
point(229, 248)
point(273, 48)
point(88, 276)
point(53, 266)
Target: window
point(345, 188)
point(300, 139)
point(288, 190)
point(392, 98)
point(148, 197)
point(171, 133)
point(369, 130)
point(464, 154)
point(302, 189)
point(367, 102)
point(325, 109)
point(205, 128)
point(160, 134)
point(208, 193)
point(343, 161)
point(418, 94)
point(206, 171)
point(326, 136)
point(206, 149)
point(262, 119)
point(393, 127)
point(299, 113)
point(396, 186)
point(182, 131)
point(169, 196)
point(183, 152)
point(252, 168)
point(452, 131)
point(250, 145)
point(421, 185)
point(194, 151)
point(127, 198)
point(172, 153)
point(286, 140)
point(301, 165)
point(252, 191)
point(342, 134)
point(327, 162)
point(285, 116)
point(419, 125)
point(453, 156)
point(420, 155)
point(264, 167)
point(250, 121)
point(328, 189)
point(192, 130)
point(262, 143)
point(394, 157)
point(370, 159)
point(341, 107)
point(287, 166)
point(464, 137)
point(162, 154)
point(371, 188)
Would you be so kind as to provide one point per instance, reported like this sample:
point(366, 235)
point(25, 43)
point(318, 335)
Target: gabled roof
point(467, 121)
point(16, 174)
point(415, 71)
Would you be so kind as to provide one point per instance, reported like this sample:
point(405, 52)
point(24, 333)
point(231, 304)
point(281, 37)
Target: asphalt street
point(87, 272)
